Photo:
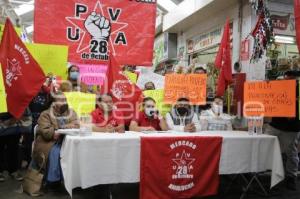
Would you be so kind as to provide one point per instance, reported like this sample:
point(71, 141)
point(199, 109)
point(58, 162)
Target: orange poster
point(270, 99)
point(191, 86)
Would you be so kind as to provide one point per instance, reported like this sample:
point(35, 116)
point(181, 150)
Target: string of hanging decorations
point(263, 32)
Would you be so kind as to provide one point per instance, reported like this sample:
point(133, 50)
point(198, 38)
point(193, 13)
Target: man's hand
point(190, 128)
point(98, 26)
point(150, 128)
point(110, 129)
point(56, 136)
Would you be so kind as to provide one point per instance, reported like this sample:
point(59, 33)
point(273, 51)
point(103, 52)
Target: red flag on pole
point(181, 167)
point(297, 21)
point(22, 75)
point(223, 61)
point(126, 95)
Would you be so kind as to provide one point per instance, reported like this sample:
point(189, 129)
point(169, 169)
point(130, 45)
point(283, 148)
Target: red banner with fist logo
point(179, 167)
point(96, 29)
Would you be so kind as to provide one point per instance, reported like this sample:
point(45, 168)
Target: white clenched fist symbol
point(98, 26)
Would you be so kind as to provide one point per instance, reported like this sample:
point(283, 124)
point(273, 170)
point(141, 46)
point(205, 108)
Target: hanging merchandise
point(263, 32)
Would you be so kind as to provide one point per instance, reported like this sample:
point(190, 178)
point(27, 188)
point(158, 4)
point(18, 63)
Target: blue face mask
point(74, 75)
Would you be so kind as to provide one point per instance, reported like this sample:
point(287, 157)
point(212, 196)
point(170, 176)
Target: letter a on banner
point(94, 30)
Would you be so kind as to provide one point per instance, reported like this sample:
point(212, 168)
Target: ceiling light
point(284, 39)
point(24, 8)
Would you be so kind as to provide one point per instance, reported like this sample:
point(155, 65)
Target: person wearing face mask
point(58, 116)
point(106, 118)
point(214, 118)
point(149, 119)
point(74, 83)
point(182, 118)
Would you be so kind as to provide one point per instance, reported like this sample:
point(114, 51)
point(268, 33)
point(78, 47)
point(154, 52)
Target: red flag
point(22, 75)
point(223, 61)
point(179, 167)
point(95, 29)
point(297, 21)
point(126, 95)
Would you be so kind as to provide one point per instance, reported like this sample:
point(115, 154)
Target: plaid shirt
point(211, 122)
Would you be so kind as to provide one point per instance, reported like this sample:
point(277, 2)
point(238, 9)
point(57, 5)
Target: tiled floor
point(10, 190)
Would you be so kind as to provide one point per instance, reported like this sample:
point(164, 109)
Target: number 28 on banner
point(98, 25)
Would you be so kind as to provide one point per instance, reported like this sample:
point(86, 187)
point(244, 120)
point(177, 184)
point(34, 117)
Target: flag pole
point(228, 100)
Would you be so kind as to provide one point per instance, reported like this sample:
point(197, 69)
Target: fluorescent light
point(284, 39)
point(168, 5)
point(29, 29)
point(24, 8)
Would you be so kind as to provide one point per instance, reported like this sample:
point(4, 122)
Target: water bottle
point(259, 125)
point(251, 126)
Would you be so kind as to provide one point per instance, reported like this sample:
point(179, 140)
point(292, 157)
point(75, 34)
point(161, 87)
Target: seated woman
point(73, 83)
point(58, 116)
point(105, 118)
point(214, 118)
point(149, 118)
point(182, 117)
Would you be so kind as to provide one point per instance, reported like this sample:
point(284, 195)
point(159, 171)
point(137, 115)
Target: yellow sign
point(131, 76)
point(51, 58)
point(158, 96)
point(81, 103)
point(18, 30)
point(3, 105)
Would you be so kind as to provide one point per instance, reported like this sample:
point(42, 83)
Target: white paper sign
point(149, 76)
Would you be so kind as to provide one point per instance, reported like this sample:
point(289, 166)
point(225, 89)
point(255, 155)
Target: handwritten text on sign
point(270, 99)
point(92, 74)
point(191, 86)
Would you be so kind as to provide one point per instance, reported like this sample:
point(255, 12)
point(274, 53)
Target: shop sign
point(205, 40)
point(245, 50)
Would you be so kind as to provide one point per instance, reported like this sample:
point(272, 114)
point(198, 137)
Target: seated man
point(58, 116)
point(214, 118)
point(149, 118)
point(182, 117)
point(11, 130)
point(105, 118)
point(288, 132)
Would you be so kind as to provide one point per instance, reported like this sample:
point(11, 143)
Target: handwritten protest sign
point(131, 76)
point(51, 58)
point(192, 86)
point(158, 96)
point(3, 105)
point(270, 99)
point(148, 76)
point(92, 74)
point(81, 103)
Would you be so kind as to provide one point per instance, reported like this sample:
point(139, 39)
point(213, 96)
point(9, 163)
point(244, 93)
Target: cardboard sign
point(92, 74)
point(81, 103)
point(3, 105)
point(192, 86)
point(158, 96)
point(270, 99)
point(51, 58)
point(94, 30)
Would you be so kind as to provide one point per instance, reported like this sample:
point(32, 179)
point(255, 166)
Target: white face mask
point(217, 109)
